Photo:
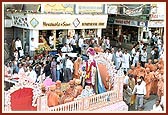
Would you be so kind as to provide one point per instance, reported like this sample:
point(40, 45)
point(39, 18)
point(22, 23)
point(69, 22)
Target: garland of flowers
point(100, 58)
point(88, 69)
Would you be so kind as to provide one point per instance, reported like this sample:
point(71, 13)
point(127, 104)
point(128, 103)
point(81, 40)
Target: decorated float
point(99, 88)
point(44, 48)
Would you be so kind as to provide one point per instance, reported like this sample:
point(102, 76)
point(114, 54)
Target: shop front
point(41, 26)
point(130, 30)
point(156, 24)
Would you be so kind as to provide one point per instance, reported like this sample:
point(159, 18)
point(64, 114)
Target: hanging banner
point(157, 17)
point(59, 8)
point(133, 23)
point(90, 8)
point(60, 21)
point(134, 12)
point(20, 21)
point(155, 24)
point(112, 9)
point(122, 22)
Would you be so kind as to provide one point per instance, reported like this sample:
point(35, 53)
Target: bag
point(19, 48)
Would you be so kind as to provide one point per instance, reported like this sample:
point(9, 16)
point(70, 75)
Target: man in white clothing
point(118, 59)
point(64, 49)
point(126, 61)
point(126, 78)
point(143, 57)
point(157, 106)
point(32, 74)
point(80, 43)
point(69, 68)
point(139, 91)
point(73, 44)
point(68, 40)
point(133, 52)
point(18, 46)
point(33, 46)
point(96, 39)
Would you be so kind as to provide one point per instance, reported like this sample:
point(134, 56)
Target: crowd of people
point(144, 73)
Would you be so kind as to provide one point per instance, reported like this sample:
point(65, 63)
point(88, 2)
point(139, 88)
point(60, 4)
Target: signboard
point(126, 22)
point(111, 20)
point(59, 8)
point(122, 22)
point(133, 23)
point(20, 21)
point(90, 8)
point(112, 9)
point(52, 21)
point(156, 24)
point(134, 12)
point(157, 17)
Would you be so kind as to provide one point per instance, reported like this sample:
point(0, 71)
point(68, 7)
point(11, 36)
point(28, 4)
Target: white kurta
point(136, 58)
point(118, 59)
point(126, 60)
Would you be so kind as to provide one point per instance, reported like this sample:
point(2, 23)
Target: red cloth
point(21, 100)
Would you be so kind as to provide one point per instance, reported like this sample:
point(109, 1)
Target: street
point(148, 104)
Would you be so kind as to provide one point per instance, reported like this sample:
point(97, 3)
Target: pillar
point(83, 32)
point(105, 8)
point(119, 30)
point(42, 8)
point(99, 32)
point(140, 33)
point(76, 8)
point(34, 34)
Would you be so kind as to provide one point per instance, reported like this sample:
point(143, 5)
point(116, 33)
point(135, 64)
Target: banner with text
point(59, 8)
point(90, 8)
point(52, 21)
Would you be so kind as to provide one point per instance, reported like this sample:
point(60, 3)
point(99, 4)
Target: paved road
point(148, 104)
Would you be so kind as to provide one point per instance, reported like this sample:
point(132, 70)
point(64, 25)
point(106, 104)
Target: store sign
point(122, 22)
point(157, 17)
point(110, 20)
point(45, 22)
point(20, 21)
point(90, 8)
point(156, 24)
point(59, 8)
point(134, 12)
point(112, 9)
point(133, 23)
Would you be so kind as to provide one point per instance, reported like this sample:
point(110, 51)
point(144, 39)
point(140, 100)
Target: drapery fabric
point(21, 100)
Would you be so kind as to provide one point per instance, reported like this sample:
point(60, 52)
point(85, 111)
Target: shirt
point(18, 44)
point(126, 79)
point(64, 49)
point(68, 40)
point(133, 52)
point(51, 40)
point(157, 108)
point(69, 65)
point(139, 89)
point(73, 42)
point(33, 76)
point(33, 46)
point(143, 83)
point(144, 56)
point(80, 42)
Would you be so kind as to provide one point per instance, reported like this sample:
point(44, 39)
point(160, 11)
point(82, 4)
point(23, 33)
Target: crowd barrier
point(89, 103)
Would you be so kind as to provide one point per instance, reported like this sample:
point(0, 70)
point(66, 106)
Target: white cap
point(138, 80)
